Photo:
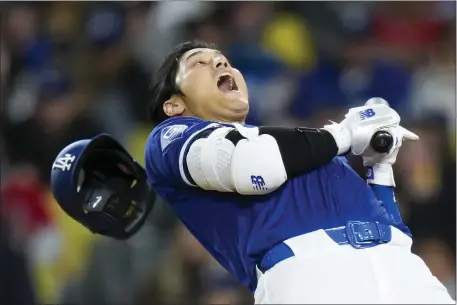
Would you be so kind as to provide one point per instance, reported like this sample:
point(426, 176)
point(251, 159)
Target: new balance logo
point(64, 163)
point(365, 114)
point(258, 183)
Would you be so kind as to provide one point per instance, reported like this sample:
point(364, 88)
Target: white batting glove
point(379, 165)
point(359, 126)
point(365, 121)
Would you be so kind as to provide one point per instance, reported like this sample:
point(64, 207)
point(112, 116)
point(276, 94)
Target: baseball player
point(279, 208)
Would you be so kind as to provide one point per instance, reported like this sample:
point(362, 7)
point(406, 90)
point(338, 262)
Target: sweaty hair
point(164, 83)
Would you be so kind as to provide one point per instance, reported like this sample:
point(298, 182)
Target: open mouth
point(226, 83)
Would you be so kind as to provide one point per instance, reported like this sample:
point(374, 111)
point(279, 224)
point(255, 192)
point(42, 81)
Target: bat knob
point(382, 141)
point(377, 101)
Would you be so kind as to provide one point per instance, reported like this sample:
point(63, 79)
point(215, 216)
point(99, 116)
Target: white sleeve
point(253, 167)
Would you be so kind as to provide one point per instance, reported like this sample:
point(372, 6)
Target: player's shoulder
point(171, 130)
point(165, 147)
point(175, 123)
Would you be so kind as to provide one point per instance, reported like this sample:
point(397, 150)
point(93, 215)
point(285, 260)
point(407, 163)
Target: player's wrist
point(342, 136)
point(379, 173)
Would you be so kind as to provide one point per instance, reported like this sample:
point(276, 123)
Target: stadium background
point(70, 70)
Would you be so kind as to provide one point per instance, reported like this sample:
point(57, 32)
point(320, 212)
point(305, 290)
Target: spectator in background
point(5, 61)
point(331, 23)
point(426, 183)
point(57, 120)
point(62, 23)
point(16, 284)
point(21, 37)
point(407, 30)
point(351, 79)
point(189, 274)
point(224, 290)
point(263, 70)
point(24, 201)
point(179, 278)
point(32, 228)
point(120, 84)
point(213, 28)
point(165, 27)
point(137, 36)
point(288, 37)
point(25, 51)
point(433, 89)
point(134, 260)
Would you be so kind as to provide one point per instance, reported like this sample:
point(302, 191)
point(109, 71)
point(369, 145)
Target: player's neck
point(219, 119)
point(229, 121)
point(228, 118)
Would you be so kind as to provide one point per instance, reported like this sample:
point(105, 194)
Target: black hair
point(164, 83)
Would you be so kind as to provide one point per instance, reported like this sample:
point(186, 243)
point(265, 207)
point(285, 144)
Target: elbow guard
point(257, 166)
point(253, 166)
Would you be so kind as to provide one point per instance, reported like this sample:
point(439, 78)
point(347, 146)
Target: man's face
point(212, 89)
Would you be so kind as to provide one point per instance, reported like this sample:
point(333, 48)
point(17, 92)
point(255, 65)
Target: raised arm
point(256, 161)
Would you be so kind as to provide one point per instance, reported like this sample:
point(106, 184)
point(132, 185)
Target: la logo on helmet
point(64, 163)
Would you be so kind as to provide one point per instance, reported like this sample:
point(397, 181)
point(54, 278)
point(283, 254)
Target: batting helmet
point(98, 183)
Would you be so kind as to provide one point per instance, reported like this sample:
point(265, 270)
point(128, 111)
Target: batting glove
point(359, 126)
point(379, 165)
point(365, 121)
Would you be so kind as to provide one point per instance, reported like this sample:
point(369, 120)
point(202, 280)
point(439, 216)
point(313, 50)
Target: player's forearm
point(386, 194)
point(302, 149)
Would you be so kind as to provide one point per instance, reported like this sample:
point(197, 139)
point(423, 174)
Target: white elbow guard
point(253, 167)
point(257, 166)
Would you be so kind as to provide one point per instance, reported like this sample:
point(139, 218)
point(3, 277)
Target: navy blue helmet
point(98, 183)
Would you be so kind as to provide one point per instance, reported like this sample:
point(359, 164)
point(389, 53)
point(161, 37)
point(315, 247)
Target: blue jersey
point(237, 229)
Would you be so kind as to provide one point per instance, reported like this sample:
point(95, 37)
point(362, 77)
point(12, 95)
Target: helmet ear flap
point(99, 222)
point(104, 224)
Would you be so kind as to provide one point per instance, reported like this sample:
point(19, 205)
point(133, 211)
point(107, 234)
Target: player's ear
point(174, 106)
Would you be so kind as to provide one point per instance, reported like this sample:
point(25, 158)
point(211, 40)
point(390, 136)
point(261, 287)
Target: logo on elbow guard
point(258, 183)
point(365, 114)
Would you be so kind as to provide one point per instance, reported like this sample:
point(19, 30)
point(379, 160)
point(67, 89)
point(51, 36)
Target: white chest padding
point(253, 167)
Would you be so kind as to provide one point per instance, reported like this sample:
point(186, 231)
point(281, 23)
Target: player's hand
point(379, 165)
point(399, 134)
point(365, 121)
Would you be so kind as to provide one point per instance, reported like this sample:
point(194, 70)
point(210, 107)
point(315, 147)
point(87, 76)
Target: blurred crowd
point(72, 70)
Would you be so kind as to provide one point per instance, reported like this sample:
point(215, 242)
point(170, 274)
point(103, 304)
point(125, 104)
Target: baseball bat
point(381, 141)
